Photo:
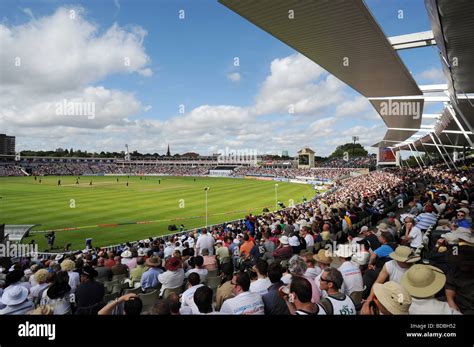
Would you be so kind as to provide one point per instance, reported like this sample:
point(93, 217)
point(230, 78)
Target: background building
point(7, 145)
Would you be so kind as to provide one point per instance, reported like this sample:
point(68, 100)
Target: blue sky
point(188, 62)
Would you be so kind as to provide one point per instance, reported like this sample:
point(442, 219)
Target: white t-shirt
point(352, 278)
point(294, 241)
point(395, 271)
point(260, 286)
point(430, 306)
point(244, 303)
point(286, 279)
point(416, 237)
point(171, 279)
point(187, 299)
point(312, 272)
point(168, 252)
point(205, 241)
point(74, 280)
point(37, 290)
point(201, 272)
point(309, 240)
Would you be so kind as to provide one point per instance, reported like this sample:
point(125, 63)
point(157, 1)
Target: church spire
point(168, 154)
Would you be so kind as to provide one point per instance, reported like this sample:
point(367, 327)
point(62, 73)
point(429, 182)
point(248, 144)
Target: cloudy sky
point(189, 73)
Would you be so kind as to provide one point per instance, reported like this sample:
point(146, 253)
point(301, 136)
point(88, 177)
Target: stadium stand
point(373, 237)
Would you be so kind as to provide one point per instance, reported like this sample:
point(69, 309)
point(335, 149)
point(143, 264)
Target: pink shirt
point(210, 263)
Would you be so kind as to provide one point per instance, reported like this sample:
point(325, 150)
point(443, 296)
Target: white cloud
point(59, 52)
point(60, 57)
point(433, 75)
point(28, 12)
point(234, 77)
point(64, 58)
point(296, 84)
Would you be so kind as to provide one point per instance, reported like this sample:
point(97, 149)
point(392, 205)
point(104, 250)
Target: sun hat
point(363, 229)
point(68, 265)
point(58, 290)
point(126, 254)
point(465, 210)
point(460, 233)
point(284, 240)
point(14, 295)
point(153, 261)
point(423, 281)
point(404, 254)
point(89, 271)
point(323, 257)
point(464, 202)
point(344, 251)
point(41, 275)
point(382, 227)
point(59, 257)
point(141, 252)
point(393, 297)
point(172, 264)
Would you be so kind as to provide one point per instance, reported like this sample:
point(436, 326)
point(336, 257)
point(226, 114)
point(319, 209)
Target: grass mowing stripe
point(108, 202)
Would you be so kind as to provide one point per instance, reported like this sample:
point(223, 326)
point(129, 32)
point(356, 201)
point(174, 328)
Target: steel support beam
point(442, 156)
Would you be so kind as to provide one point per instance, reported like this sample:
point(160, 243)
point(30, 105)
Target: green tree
point(356, 150)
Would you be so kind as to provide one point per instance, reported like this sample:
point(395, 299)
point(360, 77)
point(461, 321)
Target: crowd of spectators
point(369, 161)
point(315, 173)
point(389, 242)
point(10, 170)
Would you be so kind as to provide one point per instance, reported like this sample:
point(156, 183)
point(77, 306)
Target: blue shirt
point(150, 278)
point(383, 251)
point(464, 223)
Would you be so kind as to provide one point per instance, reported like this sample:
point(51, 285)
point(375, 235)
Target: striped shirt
point(425, 220)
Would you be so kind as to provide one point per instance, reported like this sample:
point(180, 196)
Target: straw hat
point(126, 254)
point(460, 233)
point(404, 254)
point(68, 265)
point(423, 281)
point(41, 275)
point(393, 297)
point(153, 261)
point(464, 210)
point(322, 257)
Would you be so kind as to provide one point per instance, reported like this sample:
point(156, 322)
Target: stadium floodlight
point(206, 189)
point(276, 196)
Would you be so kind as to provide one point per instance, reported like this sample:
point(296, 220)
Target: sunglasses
point(325, 280)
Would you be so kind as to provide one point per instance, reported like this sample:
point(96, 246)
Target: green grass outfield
point(26, 201)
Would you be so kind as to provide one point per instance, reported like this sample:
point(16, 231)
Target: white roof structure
point(345, 39)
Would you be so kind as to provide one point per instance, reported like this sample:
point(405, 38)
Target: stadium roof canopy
point(344, 38)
